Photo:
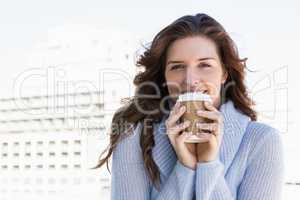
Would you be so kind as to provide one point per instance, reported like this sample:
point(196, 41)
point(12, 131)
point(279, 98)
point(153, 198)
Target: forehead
point(192, 48)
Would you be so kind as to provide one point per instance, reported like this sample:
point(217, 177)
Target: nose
point(191, 79)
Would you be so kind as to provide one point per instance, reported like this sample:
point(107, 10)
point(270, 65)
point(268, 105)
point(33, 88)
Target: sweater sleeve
point(180, 185)
point(211, 183)
point(262, 180)
point(264, 175)
point(129, 179)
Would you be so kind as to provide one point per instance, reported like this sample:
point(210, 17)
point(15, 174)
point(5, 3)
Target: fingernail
point(199, 111)
point(182, 108)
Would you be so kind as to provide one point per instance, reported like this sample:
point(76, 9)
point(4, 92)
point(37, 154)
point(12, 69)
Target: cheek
point(172, 76)
point(173, 82)
point(214, 84)
point(174, 87)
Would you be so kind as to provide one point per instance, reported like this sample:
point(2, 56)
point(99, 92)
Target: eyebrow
point(199, 59)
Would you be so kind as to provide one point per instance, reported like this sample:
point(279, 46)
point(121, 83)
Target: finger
point(175, 107)
point(204, 135)
point(180, 140)
point(174, 131)
point(215, 116)
point(185, 148)
point(209, 106)
point(213, 127)
point(175, 116)
point(194, 138)
point(182, 136)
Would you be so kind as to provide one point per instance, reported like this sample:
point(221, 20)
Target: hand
point(211, 132)
point(186, 153)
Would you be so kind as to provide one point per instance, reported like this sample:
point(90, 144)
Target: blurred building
point(46, 152)
point(54, 122)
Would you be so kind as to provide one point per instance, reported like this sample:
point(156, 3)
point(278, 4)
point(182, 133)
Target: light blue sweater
point(249, 165)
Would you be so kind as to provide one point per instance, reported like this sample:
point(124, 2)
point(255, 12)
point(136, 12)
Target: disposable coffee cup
point(193, 101)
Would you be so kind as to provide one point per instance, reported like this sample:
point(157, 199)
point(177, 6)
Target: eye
point(204, 65)
point(176, 67)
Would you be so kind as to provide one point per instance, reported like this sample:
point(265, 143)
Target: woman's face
point(193, 64)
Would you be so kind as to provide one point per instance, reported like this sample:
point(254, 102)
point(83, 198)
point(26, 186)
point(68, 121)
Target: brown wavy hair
point(152, 63)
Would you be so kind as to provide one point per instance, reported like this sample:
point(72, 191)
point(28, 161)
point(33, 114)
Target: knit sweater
point(249, 165)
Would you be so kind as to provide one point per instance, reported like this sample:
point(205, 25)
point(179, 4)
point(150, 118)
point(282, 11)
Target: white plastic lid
point(194, 96)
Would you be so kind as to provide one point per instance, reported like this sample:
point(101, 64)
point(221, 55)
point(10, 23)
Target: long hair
point(152, 63)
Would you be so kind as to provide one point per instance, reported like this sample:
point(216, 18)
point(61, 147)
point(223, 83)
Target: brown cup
point(193, 102)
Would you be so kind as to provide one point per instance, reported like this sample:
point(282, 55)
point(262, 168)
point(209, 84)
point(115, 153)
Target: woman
point(239, 158)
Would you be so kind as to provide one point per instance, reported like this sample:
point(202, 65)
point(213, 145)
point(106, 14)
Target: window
point(39, 166)
point(51, 154)
point(39, 153)
point(65, 142)
point(64, 153)
point(4, 155)
point(16, 167)
point(27, 166)
point(78, 142)
point(4, 167)
point(77, 166)
point(64, 166)
point(51, 166)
